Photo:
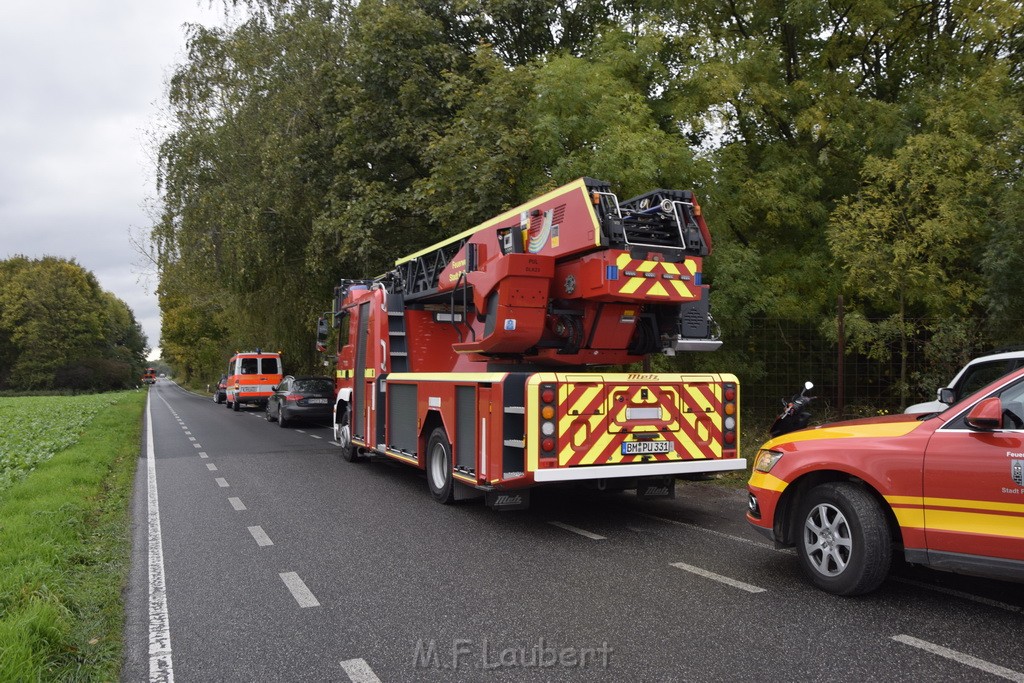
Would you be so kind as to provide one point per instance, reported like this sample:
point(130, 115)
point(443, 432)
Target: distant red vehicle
point(150, 376)
point(946, 489)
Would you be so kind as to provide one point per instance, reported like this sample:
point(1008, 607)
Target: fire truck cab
point(252, 376)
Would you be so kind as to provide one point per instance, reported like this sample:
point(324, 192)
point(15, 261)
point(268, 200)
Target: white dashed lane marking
point(968, 660)
point(358, 671)
point(237, 504)
point(222, 482)
point(260, 536)
point(298, 589)
point(210, 466)
point(576, 530)
point(718, 577)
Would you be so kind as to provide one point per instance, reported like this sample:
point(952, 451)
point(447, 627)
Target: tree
point(55, 319)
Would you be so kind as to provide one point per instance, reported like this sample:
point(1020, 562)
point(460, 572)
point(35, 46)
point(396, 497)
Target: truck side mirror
point(947, 396)
point(987, 415)
point(322, 331)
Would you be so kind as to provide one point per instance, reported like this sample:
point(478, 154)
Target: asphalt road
point(282, 562)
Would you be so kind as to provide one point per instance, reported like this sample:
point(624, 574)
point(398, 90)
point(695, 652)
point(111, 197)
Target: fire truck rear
point(482, 359)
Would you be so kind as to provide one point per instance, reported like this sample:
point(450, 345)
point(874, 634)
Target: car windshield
point(313, 386)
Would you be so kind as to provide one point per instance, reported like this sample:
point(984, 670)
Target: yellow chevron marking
point(646, 266)
point(691, 266)
point(681, 288)
point(623, 260)
point(632, 284)
point(657, 289)
point(670, 268)
point(597, 449)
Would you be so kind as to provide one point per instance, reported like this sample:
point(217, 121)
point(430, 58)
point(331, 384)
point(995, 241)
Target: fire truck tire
point(282, 421)
point(844, 542)
point(343, 435)
point(439, 467)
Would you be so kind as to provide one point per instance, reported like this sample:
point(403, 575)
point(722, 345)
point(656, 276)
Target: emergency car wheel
point(844, 542)
point(439, 466)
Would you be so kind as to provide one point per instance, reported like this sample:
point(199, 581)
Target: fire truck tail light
point(730, 394)
point(730, 423)
point(548, 395)
point(730, 437)
point(548, 444)
point(547, 428)
point(547, 412)
point(730, 409)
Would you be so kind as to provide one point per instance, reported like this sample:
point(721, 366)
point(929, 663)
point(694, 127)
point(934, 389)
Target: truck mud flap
point(508, 500)
point(656, 487)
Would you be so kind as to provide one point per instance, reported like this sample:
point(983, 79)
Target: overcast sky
point(82, 84)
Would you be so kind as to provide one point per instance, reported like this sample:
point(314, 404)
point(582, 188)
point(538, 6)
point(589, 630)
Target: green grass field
point(67, 466)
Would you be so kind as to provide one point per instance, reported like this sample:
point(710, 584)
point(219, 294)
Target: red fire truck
point(482, 359)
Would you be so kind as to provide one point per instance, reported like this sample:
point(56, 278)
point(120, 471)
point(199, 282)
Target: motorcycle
point(795, 414)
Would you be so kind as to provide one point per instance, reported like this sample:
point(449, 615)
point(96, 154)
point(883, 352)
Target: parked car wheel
point(268, 414)
point(282, 421)
point(844, 544)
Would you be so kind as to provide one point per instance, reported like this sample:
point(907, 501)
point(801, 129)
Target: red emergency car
point(945, 489)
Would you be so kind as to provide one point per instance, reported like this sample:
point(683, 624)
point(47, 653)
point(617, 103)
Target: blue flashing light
point(612, 273)
point(696, 278)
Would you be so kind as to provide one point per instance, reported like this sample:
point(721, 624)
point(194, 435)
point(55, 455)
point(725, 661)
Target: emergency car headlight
point(766, 460)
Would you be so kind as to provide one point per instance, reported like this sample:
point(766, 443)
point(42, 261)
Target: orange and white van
point(252, 376)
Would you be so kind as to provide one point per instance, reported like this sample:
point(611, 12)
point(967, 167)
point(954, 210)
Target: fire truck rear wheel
point(439, 467)
point(844, 542)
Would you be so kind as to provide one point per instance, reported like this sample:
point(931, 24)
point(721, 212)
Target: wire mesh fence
point(780, 356)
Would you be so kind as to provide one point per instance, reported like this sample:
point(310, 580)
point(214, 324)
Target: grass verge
point(65, 553)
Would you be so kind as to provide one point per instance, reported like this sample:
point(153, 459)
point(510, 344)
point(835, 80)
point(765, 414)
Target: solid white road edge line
point(576, 530)
point(160, 663)
point(718, 577)
point(298, 589)
point(358, 671)
point(980, 664)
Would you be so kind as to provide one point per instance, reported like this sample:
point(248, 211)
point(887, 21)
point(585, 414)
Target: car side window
point(1013, 406)
point(980, 376)
point(270, 366)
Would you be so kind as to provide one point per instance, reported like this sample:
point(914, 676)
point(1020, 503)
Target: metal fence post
point(841, 375)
